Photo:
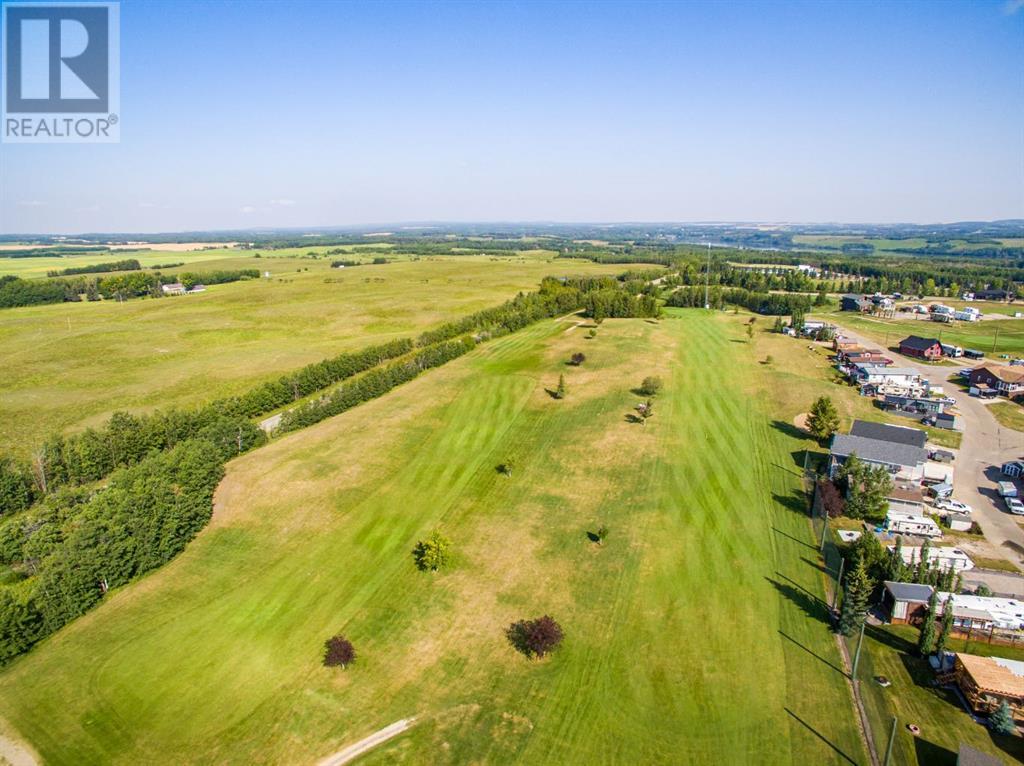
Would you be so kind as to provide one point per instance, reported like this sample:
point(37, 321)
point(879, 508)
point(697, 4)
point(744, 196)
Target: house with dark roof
point(914, 437)
point(922, 348)
point(992, 295)
point(853, 302)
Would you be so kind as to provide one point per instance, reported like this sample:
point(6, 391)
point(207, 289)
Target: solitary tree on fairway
point(947, 626)
point(778, 324)
point(750, 331)
point(562, 389)
point(433, 553)
point(645, 410)
point(602, 533)
point(855, 600)
point(505, 469)
point(577, 359)
point(535, 638)
point(823, 420)
point(1001, 720)
point(926, 641)
point(338, 652)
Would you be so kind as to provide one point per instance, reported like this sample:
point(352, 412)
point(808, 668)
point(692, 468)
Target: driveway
point(986, 445)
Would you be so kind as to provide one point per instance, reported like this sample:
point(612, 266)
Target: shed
point(1014, 468)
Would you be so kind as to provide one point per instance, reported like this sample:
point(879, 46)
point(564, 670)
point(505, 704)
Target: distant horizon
point(408, 226)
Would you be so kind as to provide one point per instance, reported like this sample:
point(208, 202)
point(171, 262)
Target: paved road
point(986, 445)
point(1002, 583)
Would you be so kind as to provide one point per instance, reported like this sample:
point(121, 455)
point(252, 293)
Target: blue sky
point(327, 113)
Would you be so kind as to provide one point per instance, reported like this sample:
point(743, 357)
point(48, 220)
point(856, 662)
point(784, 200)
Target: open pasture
point(69, 365)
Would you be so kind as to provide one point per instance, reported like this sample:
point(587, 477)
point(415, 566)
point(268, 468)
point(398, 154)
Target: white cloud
point(1010, 7)
point(282, 202)
point(32, 203)
point(247, 209)
point(147, 204)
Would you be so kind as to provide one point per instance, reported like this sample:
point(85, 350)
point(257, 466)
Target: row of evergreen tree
point(79, 544)
point(126, 439)
point(772, 304)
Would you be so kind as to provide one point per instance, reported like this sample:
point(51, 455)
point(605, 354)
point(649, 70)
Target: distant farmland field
point(695, 633)
point(71, 364)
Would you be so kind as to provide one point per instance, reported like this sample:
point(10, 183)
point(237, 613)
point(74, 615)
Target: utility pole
point(839, 584)
point(860, 642)
point(707, 279)
point(892, 738)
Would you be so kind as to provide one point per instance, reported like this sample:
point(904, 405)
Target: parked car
point(949, 504)
point(1013, 505)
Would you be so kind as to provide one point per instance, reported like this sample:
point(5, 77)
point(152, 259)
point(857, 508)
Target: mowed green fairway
point(70, 365)
point(694, 634)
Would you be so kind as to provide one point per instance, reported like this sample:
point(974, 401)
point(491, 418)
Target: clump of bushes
point(577, 359)
point(433, 553)
point(338, 652)
point(535, 638)
point(651, 386)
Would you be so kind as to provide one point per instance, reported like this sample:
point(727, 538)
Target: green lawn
point(694, 635)
point(28, 268)
point(1009, 414)
point(891, 651)
point(72, 364)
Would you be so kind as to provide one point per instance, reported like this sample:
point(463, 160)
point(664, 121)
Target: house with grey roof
point(903, 461)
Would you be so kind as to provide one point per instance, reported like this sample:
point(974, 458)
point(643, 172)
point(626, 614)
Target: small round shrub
point(339, 652)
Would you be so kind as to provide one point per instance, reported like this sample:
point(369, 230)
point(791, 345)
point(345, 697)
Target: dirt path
point(16, 753)
point(352, 752)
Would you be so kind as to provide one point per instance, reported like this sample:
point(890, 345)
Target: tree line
point(129, 264)
point(772, 304)
point(126, 439)
point(15, 291)
point(79, 544)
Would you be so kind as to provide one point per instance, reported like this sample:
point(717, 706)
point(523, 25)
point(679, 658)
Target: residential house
point(175, 288)
point(943, 557)
point(853, 302)
point(908, 603)
point(922, 348)
point(987, 682)
point(993, 295)
point(899, 523)
point(1003, 379)
point(918, 404)
point(900, 450)
point(914, 437)
point(949, 421)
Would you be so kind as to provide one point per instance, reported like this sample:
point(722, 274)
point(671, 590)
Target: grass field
point(695, 634)
point(891, 652)
point(1009, 414)
point(1003, 336)
point(28, 268)
point(70, 365)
